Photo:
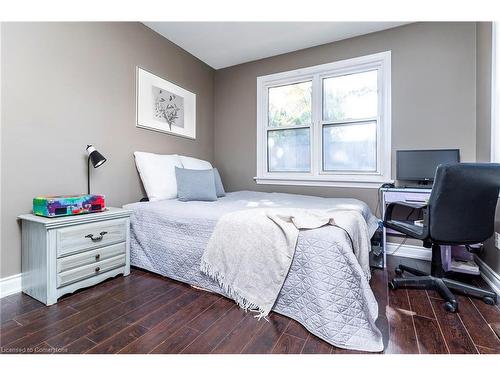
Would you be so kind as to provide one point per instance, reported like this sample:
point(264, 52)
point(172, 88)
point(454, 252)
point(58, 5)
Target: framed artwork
point(163, 106)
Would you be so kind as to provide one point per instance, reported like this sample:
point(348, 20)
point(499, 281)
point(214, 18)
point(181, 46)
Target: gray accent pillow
point(195, 184)
point(219, 188)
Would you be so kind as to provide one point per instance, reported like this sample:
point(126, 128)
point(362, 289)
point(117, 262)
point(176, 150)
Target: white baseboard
point(491, 277)
point(10, 285)
point(408, 251)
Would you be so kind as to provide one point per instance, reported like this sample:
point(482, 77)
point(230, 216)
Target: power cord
point(399, 247)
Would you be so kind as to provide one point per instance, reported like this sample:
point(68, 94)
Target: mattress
point(325, 290)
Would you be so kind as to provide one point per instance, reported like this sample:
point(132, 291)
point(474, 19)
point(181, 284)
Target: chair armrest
point(391, 206)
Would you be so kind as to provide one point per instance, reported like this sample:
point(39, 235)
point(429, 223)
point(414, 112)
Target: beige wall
point(483, 91)
point(433, 97)
point(68, 84)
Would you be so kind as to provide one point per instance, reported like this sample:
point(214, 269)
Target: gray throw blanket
point(250, 251)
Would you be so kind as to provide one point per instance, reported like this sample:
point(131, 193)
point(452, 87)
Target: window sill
point(324, 183)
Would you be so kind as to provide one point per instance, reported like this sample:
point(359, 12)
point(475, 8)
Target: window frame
point(317, 176)
point(495, 94)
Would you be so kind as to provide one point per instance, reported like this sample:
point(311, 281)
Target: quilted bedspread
point(325, 290)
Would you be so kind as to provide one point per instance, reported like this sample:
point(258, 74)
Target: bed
point(325, 290)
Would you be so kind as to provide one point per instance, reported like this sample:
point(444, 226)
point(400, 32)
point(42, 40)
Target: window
point(326, 125)
point(289, 123)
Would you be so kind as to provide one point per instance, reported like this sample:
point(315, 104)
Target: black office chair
point(460, 211)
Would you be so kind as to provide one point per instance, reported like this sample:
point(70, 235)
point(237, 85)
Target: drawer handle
point(97, 269)
point(97, 238)
point(98, 256)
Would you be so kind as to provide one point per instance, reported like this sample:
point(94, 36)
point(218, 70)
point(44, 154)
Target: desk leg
point(384, 238)
point(384, 232)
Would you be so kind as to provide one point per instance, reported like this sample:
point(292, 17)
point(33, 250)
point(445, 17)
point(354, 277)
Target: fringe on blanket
point(241, 301)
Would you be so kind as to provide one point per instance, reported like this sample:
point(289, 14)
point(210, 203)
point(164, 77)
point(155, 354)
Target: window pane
point(350, 147)
point(288, 150)
point(290, 105)
point(350, 97)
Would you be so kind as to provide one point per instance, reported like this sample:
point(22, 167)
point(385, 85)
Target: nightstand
point(64, 254)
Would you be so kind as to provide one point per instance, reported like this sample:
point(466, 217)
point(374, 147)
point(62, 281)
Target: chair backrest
point(463, 202)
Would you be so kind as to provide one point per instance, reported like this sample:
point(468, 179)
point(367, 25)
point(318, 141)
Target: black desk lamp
point(97, 160)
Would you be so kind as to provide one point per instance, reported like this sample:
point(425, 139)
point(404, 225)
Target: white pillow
point(193, 163)
point(158, 174)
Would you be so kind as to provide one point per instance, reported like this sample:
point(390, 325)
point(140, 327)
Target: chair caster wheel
point(450, 307)
point(489, 300)
point(398, 271)
point(391, 285)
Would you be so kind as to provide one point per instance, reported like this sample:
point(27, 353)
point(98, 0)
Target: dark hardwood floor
point(146, 313)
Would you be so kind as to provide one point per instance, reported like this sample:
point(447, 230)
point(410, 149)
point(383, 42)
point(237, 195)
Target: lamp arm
point(88, 174)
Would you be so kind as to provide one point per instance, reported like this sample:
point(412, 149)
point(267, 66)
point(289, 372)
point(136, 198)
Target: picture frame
point(163, 106)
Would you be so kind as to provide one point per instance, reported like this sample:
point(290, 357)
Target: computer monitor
point(420, 165)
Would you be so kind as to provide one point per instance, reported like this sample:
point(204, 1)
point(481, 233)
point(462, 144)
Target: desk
point(390, 195)
point(421, 196)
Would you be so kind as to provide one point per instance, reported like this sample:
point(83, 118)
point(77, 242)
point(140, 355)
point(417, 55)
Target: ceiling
point(223, 44)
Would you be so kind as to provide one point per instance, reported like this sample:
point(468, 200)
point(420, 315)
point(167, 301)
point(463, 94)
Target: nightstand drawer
point(83, 237)
point(80, 273)
point(90, 257)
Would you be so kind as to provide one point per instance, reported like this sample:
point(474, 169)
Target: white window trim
point(316, 177)
point(495, 97)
